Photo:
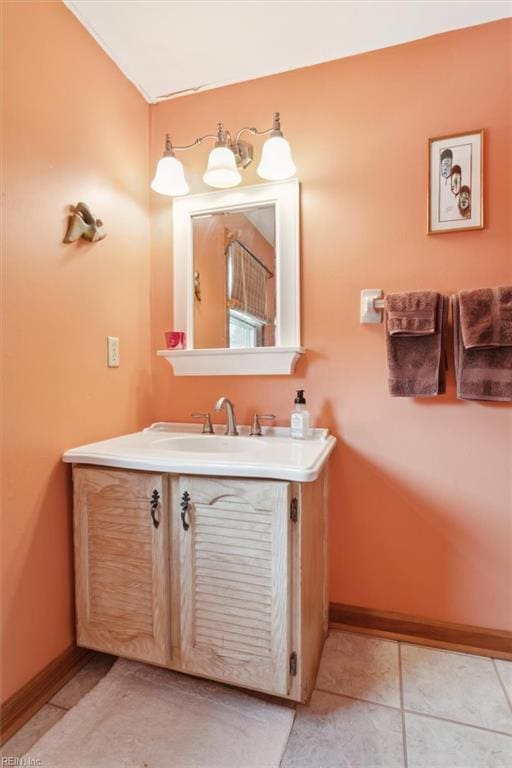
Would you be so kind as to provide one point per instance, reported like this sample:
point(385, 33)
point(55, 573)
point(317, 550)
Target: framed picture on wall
point(455, 180)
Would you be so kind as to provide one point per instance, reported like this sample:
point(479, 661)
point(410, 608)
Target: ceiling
point(171, 47)
point(264, 220)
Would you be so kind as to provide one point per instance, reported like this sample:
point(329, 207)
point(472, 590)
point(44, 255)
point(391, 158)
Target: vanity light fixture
point(226, 160)
point(222, 171)
point(170, 176)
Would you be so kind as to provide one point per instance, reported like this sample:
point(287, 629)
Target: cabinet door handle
point(184, 509)
point(155, 498)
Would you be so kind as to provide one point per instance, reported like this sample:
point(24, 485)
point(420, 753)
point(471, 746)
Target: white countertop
point(178, 448)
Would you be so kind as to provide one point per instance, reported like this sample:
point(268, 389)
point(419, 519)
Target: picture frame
point(455, 182)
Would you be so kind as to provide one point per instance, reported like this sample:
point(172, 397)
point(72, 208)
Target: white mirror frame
point(279, 359)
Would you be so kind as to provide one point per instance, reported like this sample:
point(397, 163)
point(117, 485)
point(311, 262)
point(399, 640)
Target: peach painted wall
point(74, 129)
point(420, 505)
point(210, 319)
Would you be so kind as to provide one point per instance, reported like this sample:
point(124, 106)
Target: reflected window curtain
point(247, 288)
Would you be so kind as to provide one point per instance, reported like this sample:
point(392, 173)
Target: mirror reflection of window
point(234, 278)
point(243, 332)
point(248, 293)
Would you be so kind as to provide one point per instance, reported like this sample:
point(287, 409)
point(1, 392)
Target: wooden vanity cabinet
point(122, 562)
point(235, 586)
point(223, 578)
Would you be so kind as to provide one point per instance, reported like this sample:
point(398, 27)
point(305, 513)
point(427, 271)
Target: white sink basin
point(182, 449)
point(210, 444)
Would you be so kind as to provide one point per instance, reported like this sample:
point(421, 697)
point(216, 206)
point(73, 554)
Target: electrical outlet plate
point(113, 351)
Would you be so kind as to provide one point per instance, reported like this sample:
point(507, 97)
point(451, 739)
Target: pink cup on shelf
point(175, 339)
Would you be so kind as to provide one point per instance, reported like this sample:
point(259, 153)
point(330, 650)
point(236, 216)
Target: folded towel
point(417, 358)
point(486, 317)
point(411, 313)
point(482, 373)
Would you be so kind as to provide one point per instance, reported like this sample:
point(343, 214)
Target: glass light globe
point(170, 178)
point(222, 171)
point(276, 160)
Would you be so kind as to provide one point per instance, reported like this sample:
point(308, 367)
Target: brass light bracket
point(244, 153)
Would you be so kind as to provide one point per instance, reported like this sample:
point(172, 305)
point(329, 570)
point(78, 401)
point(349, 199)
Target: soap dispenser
point(300, 419)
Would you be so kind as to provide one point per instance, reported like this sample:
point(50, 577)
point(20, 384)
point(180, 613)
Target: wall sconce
point(226, 160)
point(83, 223)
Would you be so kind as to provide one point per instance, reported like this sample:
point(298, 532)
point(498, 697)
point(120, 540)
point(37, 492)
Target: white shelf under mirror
point(254, 361)
point(279, 359)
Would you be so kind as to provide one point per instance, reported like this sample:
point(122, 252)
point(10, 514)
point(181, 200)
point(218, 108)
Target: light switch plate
point(113, 351)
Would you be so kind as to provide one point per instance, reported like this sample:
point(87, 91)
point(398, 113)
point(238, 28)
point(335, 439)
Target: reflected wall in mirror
point(234, 264)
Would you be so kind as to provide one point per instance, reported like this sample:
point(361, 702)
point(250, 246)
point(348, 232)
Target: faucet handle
point(207, 424)
point(256, 426)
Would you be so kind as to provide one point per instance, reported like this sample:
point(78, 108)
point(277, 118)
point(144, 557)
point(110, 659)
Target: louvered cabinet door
point(234, 580)
point(121, 562)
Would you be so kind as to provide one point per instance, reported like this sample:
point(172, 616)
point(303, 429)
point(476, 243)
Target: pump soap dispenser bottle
point(300, 419)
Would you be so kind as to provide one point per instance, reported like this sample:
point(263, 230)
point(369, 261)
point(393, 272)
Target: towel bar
point(372, 305)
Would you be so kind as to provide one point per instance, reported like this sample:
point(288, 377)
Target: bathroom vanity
point(205, 553)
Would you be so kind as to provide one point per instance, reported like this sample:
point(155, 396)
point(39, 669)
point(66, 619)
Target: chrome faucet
point(224, 403)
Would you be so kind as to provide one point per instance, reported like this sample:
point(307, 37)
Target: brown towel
point(486, 317)
point(415, 346)
point(412, 314)
point(482, 373)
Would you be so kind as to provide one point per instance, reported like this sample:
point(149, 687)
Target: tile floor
point(377, 704)
point(383, 704)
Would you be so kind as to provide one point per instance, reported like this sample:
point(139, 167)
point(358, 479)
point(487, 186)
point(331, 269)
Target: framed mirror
point(237, 281)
